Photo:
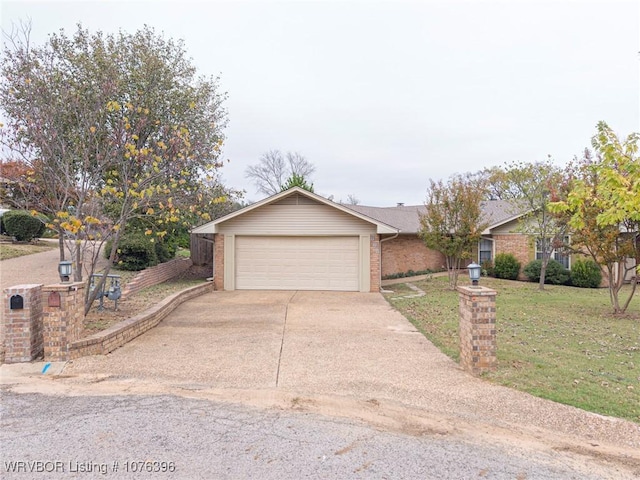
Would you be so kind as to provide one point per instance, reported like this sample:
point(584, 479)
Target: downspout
point(380, 267)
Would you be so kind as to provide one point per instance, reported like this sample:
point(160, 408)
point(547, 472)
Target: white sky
point(382, 96)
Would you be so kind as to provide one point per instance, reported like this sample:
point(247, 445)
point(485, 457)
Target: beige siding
point(283, 218)
point(510, 227)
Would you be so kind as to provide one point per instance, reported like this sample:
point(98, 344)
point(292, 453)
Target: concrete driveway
point(329, 347)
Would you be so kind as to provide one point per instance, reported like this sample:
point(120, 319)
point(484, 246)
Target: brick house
point(407, 252)
point(302, 241)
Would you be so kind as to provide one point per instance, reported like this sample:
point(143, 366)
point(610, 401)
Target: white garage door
point(297, 263)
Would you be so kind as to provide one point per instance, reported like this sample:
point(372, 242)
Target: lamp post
point(65, 269)
point(474, 273)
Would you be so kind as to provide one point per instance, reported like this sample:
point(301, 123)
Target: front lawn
point(13, 250)
point(562, 344)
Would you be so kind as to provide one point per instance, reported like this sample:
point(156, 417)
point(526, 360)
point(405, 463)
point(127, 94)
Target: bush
point(556, 274)
point(136, 252)
point(487, 268)
point(506, 266)
point(586, 274)
point(165, 251)
point(23, 226)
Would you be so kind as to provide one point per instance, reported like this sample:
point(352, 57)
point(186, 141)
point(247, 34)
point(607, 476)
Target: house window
point(485, 250)
point(557, 254)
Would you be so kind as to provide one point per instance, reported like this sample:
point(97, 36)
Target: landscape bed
point(563, 343)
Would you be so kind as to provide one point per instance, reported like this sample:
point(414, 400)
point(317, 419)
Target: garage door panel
point(297, 263)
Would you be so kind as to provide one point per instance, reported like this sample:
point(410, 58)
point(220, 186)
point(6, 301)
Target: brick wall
point(157, 274)
point(21, 328)
point(374, 262)
point(477, 329)
point(518, 245)
point(218, 262)
point(62, 318)
point(408, 252)
point(108, 340)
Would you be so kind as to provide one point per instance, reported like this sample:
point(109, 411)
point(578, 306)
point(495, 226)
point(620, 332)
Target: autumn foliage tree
point(116, 127)
point(602, 208)
point(452, 222)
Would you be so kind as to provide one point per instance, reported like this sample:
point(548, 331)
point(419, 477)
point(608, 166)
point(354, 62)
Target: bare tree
point(274, 168)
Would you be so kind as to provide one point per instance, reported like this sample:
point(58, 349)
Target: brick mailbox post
point(477, 329)
point(63, 317)
point(22, 323)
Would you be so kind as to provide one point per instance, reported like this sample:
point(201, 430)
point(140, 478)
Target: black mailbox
point(16, 302)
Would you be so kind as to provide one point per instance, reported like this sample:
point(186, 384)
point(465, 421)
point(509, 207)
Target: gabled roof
point(407, 218)
point(211, 227)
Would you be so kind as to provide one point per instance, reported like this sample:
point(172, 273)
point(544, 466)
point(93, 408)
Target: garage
point(296, 240)
point(297, 263)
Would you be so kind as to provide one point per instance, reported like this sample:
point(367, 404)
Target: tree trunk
point(546, 255)
point(61, 244)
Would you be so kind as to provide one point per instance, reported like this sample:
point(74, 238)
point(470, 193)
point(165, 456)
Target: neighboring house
point(298, 240)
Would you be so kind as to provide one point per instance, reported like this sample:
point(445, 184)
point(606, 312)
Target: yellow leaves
point(162, 145)
point(192, 105)
point(92, 129)
point(148, 231)
point(135, 137)
point(62, 214)
point(92, 220)
point(113, 106)
point(150, 211)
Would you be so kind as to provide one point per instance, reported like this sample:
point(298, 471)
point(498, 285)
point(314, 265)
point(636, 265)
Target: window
point(557, 254)
point(485, 250)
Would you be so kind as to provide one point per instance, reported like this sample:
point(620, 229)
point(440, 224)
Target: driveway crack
point(284, 326)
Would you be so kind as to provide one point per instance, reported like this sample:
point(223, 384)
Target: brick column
point(63, 319)
point(477, 329)
point(218, 262)
point(22, 323)
point(374, 262)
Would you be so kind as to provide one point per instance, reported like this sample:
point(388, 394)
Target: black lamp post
point(474, 273)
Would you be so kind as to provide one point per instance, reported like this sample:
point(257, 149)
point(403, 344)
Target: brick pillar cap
point(23, 286)
point(478, 291)
point(63, 287)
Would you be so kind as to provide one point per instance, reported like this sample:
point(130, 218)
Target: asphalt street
point(174, 437)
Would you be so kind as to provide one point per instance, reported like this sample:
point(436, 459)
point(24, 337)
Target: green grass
point(13, 250)
point(562, 344)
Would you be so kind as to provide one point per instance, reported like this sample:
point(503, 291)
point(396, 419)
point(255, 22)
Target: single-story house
point(297, 240)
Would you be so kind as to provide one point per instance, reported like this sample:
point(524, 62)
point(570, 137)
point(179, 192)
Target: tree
point(602, 208)
point(452, 222)
point(273, 170)
point(296, 180)
point(113, 127)
point(530, 186)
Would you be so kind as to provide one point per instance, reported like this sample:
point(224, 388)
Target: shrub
point(556, 274)
point(586, 274)
point(165, 251)
point(487, 268)
point(23, 226)
point(136, 252)
point(506, 266)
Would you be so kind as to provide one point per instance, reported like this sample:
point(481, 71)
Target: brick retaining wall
point(112, 338)
point(155, 275)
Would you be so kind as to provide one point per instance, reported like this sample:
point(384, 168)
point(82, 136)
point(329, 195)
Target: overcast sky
point(382, 96)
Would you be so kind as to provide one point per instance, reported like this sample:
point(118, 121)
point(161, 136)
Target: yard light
point(65, 269)
point(474, 273)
